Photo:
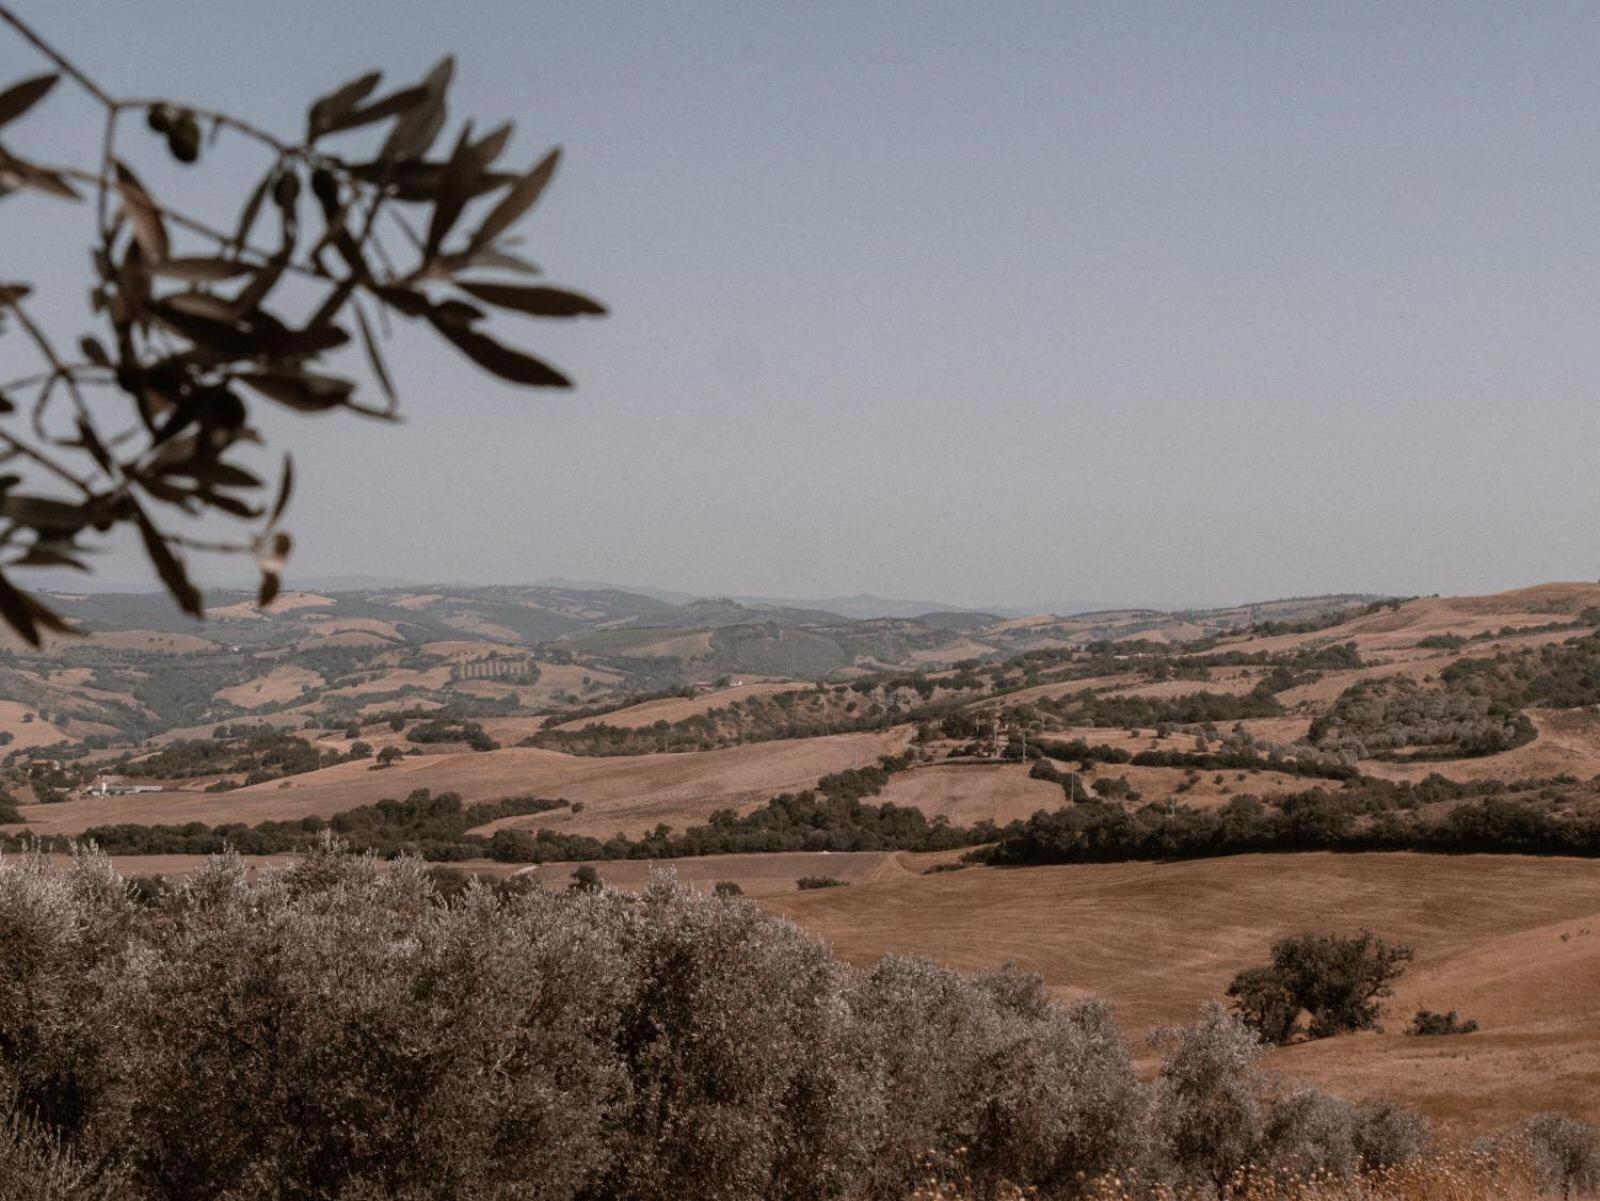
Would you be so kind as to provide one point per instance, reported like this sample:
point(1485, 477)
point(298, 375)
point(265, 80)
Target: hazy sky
point(987, 303)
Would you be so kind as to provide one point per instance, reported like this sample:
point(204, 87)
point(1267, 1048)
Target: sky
point(990, 304)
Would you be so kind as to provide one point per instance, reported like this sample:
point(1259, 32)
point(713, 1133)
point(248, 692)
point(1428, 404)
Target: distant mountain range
point(862, 606)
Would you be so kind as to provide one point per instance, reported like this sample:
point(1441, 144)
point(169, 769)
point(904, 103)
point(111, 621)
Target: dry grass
point(284, 602)
point(757, 875)
point(278, 687)
point(1453, 1176)
point(684, 646)
point(678, 708)
point(621, 795)
point(148, 641)
point(1513, 942)
point(969, 793)
point(28, 734)
point(1456, 1175)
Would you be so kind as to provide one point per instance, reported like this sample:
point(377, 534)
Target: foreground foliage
point(143, 422)
point(340, 1029)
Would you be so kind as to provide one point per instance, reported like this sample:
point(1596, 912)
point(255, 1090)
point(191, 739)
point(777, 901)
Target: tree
point(195, 323)
point(360, 750)
point(1339, 981)
point(1263, 1002)
point(586, 879)
point(389, 755)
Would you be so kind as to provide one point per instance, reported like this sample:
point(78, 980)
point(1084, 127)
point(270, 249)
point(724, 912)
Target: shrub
point(1427, 1022)
point(1207, 1098)
point(586, 879)
point(1565, 1152)
point(807, 883)
point(728, 888)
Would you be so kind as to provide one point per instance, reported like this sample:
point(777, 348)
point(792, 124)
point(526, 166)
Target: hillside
point(1477, 690)
point(1141, 775)
point(1511, 942)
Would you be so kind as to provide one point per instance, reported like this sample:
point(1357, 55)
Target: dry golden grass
point(278, 687)
point(684, 646)
point(1454, 1175)
point(951, 652)
point(757, 875)
point(621, 795)
point(1510, 941)
point(418, 600)
point(28, 734)
point(149, 641)
point(968, 793)
point(322, 624)
point(677, 708)
point(472, 623)
point(284, 602)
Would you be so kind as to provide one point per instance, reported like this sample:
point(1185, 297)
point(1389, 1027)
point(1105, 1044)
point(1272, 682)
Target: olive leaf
point(20, 97)
point(536, 302)
point(521, 197)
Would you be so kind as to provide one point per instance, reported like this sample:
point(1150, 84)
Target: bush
point(1208, 1107)
point(1565, 1152)
point(807, 883)
point(1427, 1022)
point(728, 888)
point(308, 1033)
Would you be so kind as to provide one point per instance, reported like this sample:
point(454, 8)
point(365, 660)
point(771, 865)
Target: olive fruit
point(287, 190)
point(326, 186)
point(159, 117)
point(183, 138)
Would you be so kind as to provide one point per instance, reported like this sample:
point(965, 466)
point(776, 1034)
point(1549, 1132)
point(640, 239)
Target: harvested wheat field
point(623, 794)
point(1512, 942)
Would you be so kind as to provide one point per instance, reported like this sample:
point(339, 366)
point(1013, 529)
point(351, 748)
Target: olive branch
point(191, 328)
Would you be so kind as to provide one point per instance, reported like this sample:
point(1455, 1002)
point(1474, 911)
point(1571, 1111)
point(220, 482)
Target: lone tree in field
point(131, 420)
point(1339, 981)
